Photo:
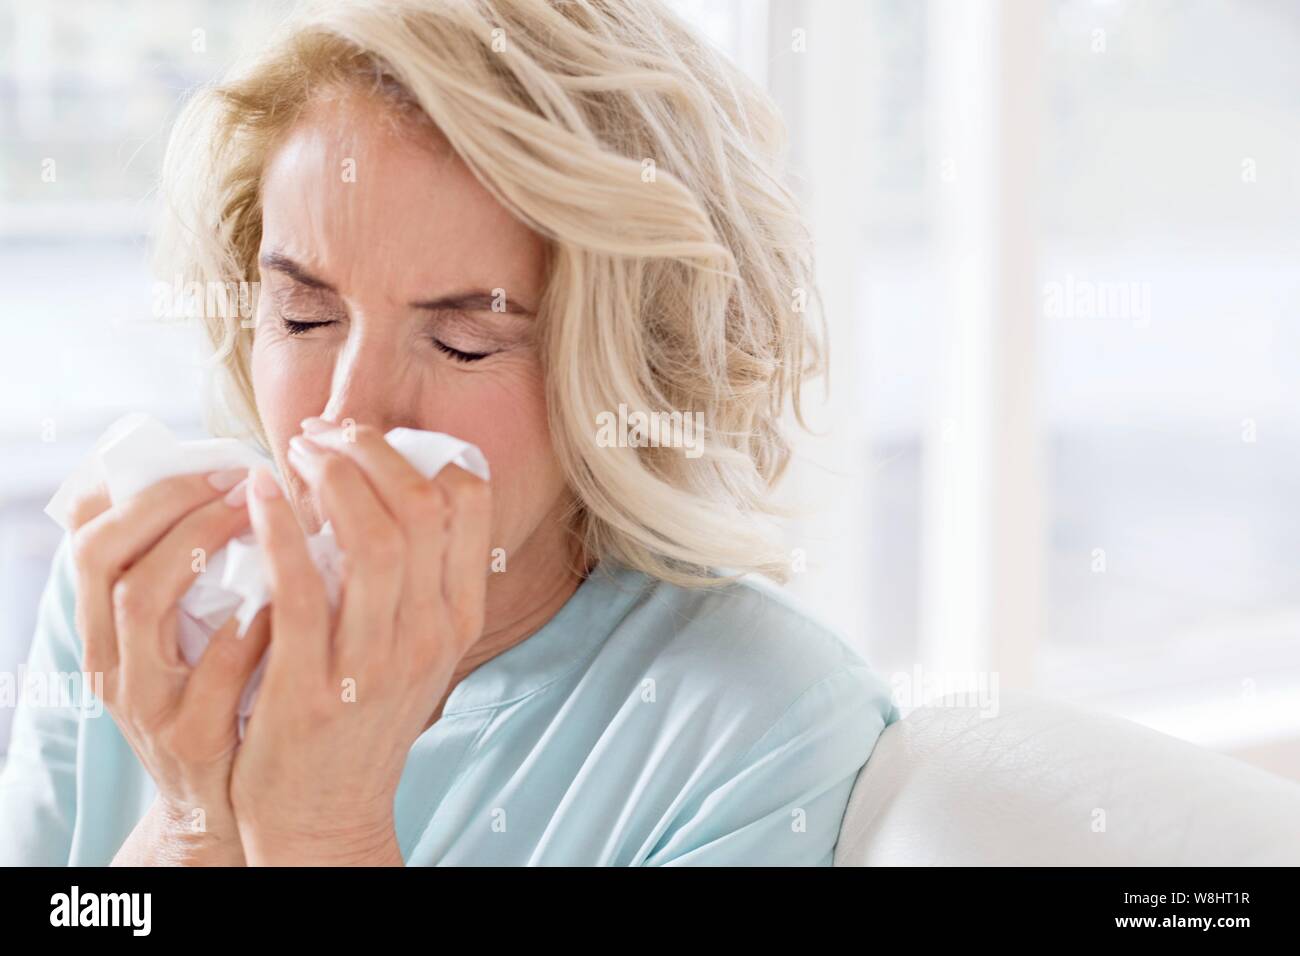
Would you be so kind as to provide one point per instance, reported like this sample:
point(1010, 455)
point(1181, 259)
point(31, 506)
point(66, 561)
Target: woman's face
point(397, 291)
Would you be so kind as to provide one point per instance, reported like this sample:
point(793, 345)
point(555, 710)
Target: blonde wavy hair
point(689, 288)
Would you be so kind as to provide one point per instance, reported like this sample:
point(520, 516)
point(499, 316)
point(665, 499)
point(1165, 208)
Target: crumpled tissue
point(138, 450)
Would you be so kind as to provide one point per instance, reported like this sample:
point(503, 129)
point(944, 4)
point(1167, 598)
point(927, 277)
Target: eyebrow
point(279, 262)
point(477, 300)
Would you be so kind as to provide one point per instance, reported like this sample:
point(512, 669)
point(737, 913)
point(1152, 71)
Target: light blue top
point(644, 724)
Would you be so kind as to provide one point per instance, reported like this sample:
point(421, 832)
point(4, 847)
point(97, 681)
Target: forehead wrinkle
point(414, 226)
point(327, 224)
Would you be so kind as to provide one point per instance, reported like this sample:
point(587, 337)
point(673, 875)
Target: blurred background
point(1058, 246)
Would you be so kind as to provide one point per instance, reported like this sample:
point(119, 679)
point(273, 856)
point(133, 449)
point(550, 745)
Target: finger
point(121, 534)
point(394, 479)
point(90, 505)
point(210, 702)
point(145, 596)
point(106, 544)
point(371, 541)
point(420, 507)
point(299, 605)
point(93, 617)
point(466, 556)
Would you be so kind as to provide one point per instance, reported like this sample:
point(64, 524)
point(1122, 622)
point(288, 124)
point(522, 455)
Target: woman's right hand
point(133, 563)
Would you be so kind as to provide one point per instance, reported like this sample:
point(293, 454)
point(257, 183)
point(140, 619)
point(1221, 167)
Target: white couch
point(1043, 783)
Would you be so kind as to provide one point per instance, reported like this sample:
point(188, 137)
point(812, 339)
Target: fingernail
point(225, 480)
point(237, 495)
point(315, 425)
point(264, 485)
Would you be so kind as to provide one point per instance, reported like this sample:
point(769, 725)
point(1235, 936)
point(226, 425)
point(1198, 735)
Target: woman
point(511, 221)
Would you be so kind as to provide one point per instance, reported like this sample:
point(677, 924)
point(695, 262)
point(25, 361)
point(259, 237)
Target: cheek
point(288, 388)
point(506, 419)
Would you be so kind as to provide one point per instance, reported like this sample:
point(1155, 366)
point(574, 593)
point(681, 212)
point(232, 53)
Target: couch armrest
point(1043, 783)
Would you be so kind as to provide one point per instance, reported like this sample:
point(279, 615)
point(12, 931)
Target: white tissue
point(136, 451)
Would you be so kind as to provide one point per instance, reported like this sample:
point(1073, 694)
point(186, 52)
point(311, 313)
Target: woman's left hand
point(342, 700)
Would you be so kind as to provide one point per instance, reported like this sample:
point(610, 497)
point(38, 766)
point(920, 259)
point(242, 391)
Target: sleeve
point(38, 797)
point(783, 801)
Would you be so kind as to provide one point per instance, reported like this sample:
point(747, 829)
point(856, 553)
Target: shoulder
point(747, 659)
point(761, 717)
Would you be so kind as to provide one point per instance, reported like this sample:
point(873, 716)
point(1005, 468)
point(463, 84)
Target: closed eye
point(457, 354)
point(294, 327)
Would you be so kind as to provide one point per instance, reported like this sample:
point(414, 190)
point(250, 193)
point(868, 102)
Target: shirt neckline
point(590, 614)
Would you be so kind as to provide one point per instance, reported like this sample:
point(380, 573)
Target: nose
point(367, 387)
